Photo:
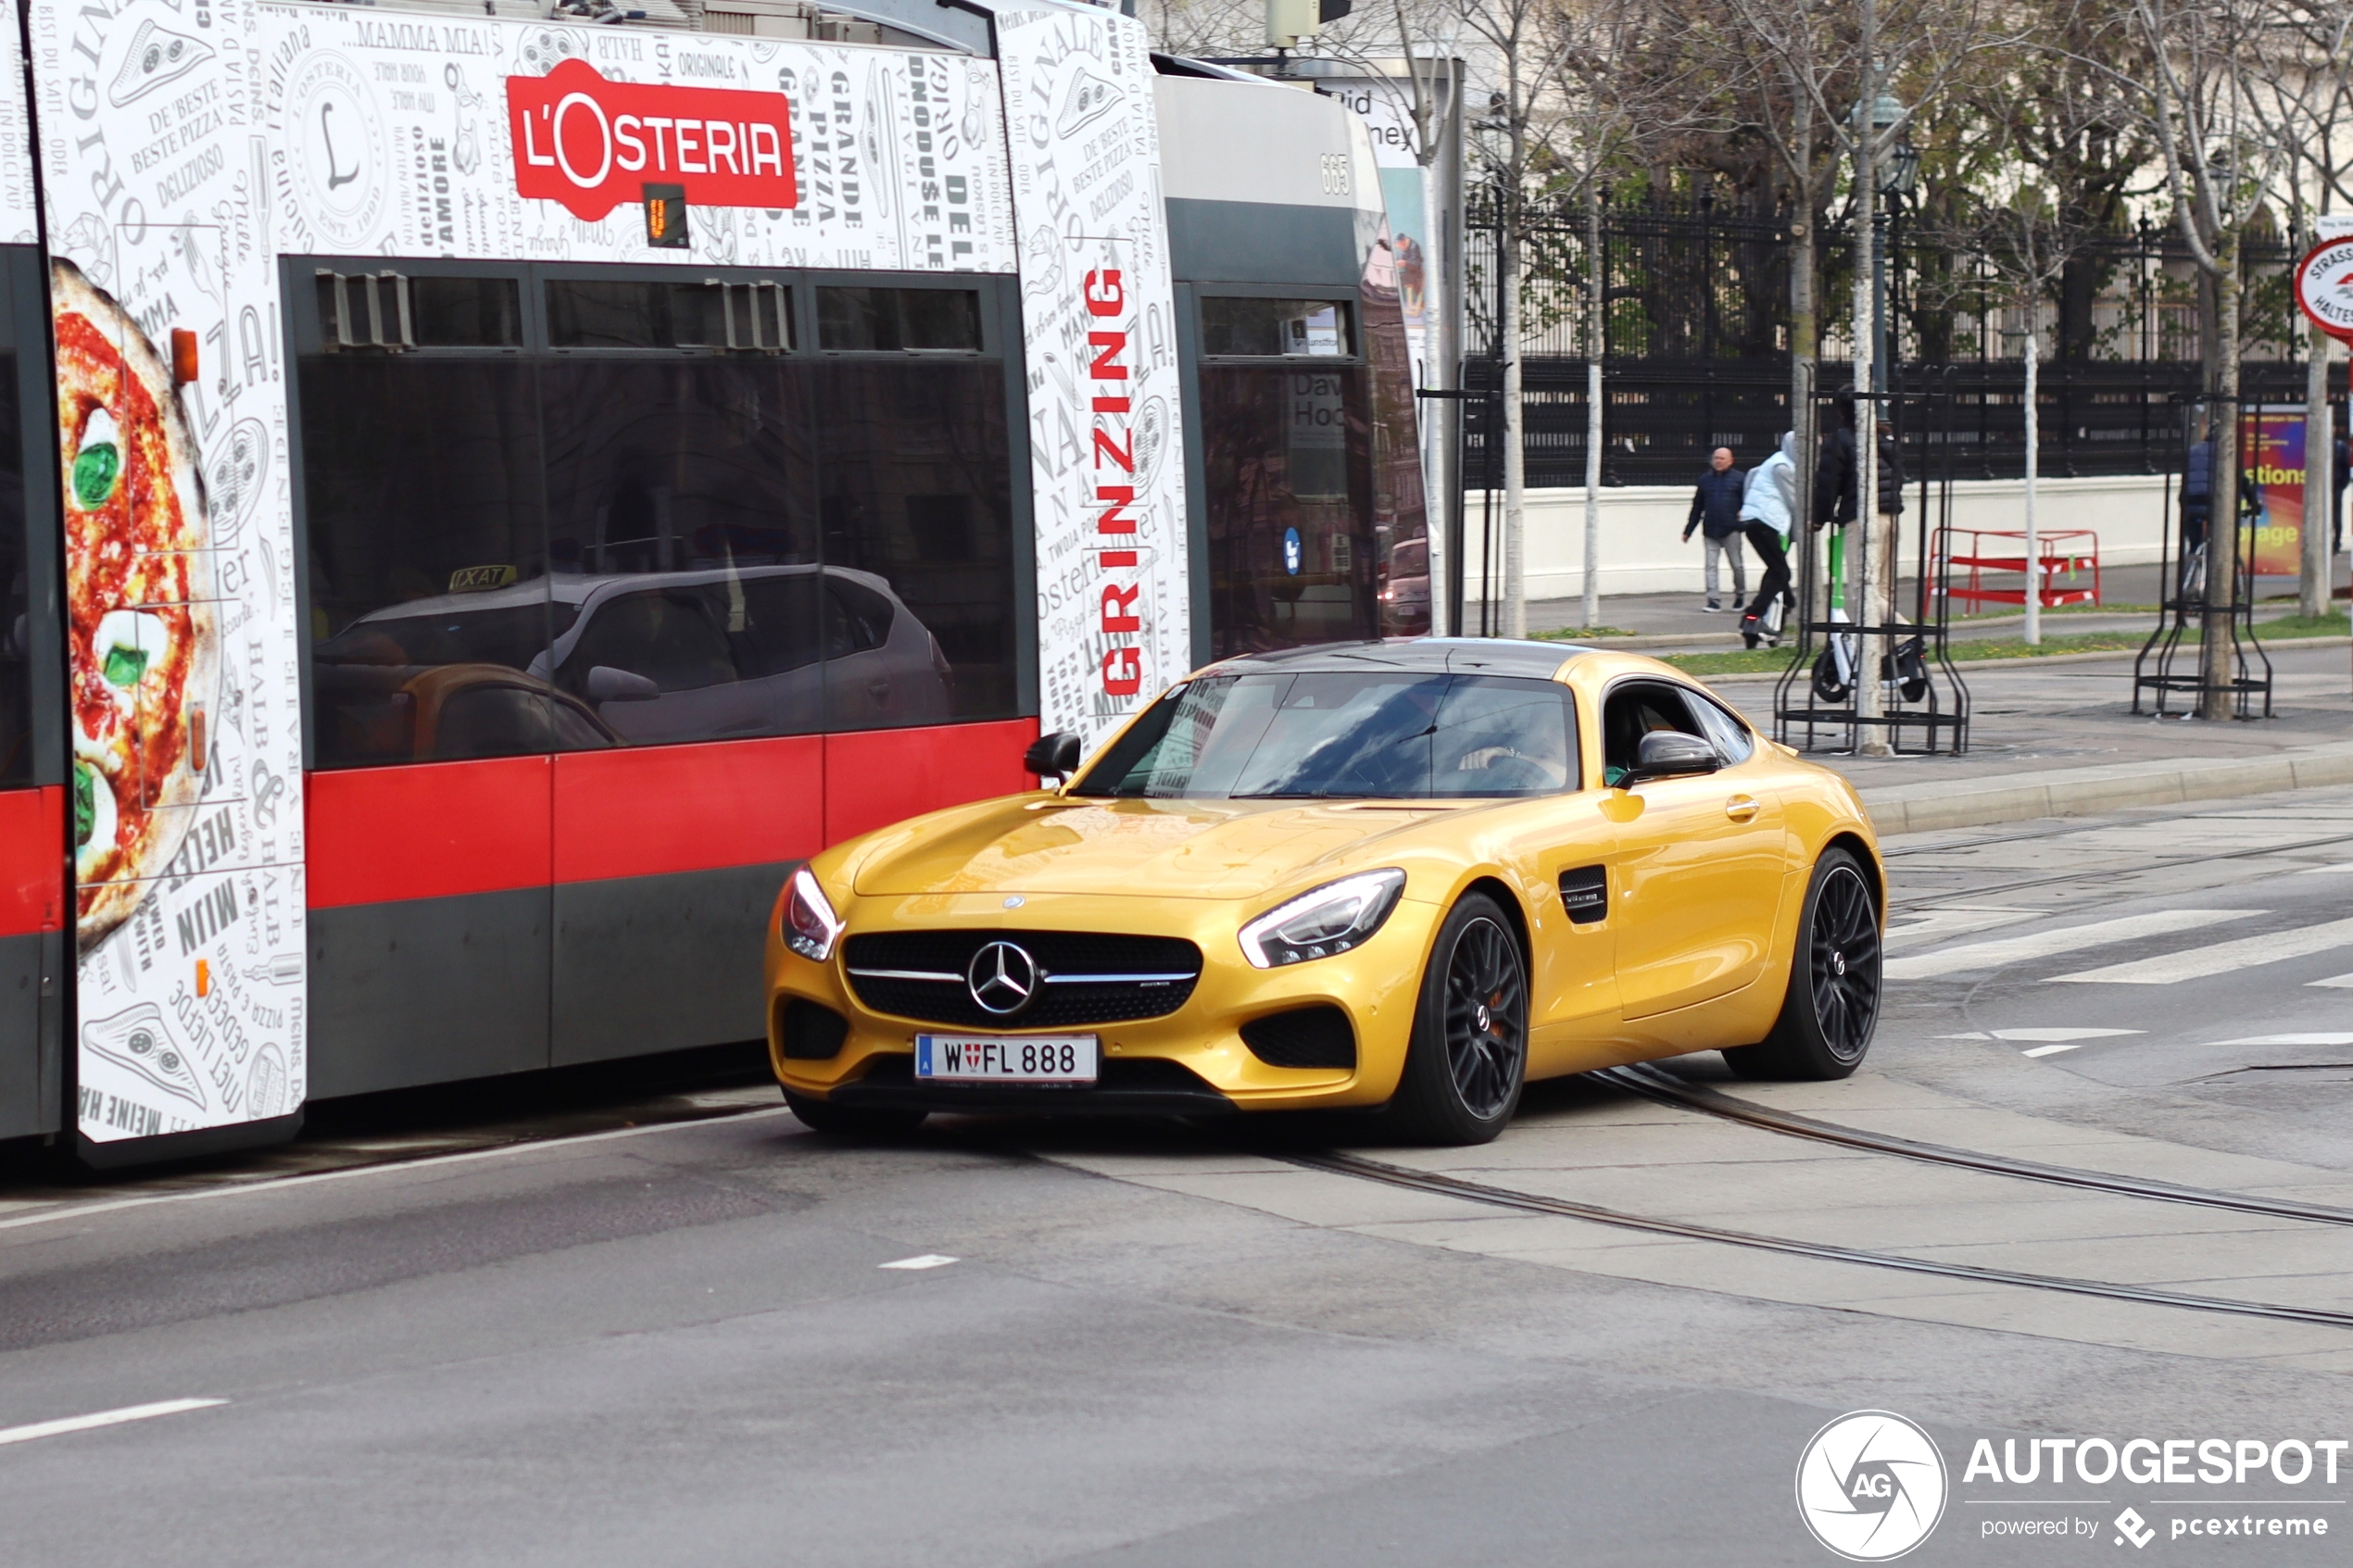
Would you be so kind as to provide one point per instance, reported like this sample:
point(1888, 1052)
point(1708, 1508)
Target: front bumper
point(1191, 1061)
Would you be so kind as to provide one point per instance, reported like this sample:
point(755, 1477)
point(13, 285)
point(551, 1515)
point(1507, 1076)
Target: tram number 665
point(1335, 174)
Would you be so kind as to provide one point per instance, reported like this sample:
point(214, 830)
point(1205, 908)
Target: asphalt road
point(564, 1338)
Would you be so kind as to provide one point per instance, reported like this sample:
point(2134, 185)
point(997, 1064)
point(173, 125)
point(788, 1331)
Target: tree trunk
point(1596, 344)
point(2218, 666)
point(1803, 342)
point(2033, 462)
point(2320, 474)
point(1871, 568)
point(1515, 621)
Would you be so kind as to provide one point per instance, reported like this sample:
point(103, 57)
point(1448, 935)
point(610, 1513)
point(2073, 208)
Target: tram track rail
point(1439, 1185)
point(1652, 1083)
point(1993, 890)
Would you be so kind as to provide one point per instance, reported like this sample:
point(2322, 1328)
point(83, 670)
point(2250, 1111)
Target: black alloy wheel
point(1468, 1056)
point(1843, 950)
point(1833, 1002)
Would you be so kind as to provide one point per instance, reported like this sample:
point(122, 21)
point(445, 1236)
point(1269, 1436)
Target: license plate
point(999, 1059)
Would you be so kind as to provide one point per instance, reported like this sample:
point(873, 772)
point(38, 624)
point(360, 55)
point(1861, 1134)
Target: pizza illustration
point(1087, 99)
point(141, 639)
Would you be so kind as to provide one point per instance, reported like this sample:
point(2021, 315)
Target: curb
point(2082, 792)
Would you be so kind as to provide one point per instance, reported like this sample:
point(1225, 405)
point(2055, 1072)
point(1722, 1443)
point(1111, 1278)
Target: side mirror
point(1666, 754)
point(608, 684)
point(1055, 755)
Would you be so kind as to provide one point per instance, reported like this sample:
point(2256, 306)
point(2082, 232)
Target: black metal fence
point(1696, 347)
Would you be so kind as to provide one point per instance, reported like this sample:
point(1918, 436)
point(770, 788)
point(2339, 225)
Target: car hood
point(1156, 848)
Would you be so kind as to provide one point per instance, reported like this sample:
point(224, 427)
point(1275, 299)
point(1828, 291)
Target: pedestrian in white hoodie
point(1766, 507)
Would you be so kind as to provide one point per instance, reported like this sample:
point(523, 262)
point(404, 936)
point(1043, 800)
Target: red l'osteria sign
point(594, 145)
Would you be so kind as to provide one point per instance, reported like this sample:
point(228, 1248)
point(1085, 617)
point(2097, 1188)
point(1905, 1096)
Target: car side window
point(669, 636)
point(1633, 710)
point(1730, 737)
point(857, 618)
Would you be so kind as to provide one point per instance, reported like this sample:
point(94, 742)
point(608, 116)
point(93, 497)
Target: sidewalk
point(1677, 623)
point(2061, 740)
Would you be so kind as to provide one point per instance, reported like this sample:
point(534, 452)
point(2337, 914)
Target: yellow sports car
point(1406, 875)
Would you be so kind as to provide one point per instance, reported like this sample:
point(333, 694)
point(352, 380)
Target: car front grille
point(922, 975)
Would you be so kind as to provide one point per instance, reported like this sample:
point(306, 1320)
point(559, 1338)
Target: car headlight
point(1332, 919)
point(810, 926)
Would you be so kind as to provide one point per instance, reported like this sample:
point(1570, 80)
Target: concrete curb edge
point(2081, 792)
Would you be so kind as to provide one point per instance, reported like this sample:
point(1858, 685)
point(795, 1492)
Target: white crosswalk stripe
point(2223, 957)
point(2067, 939)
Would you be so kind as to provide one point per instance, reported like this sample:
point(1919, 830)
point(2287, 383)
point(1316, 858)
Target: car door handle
point(879, 689)
point(1741, 807)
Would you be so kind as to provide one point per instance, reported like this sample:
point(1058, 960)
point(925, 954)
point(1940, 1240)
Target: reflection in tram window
point(885, 320)
point(602, 313)
point(428, 555)
point(15, 594)
point(1260, 328)
point(683, 541)
point(1287, 452)
point(916, 494)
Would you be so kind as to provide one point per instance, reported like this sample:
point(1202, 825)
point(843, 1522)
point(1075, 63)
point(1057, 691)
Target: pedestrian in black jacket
point(1715, 507)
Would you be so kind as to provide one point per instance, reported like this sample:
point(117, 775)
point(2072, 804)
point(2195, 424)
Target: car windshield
point(1392, 735)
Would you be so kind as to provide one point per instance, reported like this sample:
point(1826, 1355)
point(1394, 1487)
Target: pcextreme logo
point(1870, 1486)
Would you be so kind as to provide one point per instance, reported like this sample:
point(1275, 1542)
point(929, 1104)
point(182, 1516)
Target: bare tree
point(2306, 100)
point(2197, 89)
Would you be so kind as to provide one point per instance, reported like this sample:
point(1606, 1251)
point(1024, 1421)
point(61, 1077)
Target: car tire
point(1834, 980)
point(852, 1120)
point(1467, 1059)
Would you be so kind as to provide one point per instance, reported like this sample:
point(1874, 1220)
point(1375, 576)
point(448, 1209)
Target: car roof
point(1459, 656)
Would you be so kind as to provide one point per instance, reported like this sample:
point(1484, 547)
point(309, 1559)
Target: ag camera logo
point(1871, 1485)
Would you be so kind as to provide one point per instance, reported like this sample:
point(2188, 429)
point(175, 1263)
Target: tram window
point(428, 553)
point(1274, 328)
point(15, 594)
point(885, 321)
point(915, 498)
point(598, 313)
point(466, 312)
point(1288, 456)
point(680, 529)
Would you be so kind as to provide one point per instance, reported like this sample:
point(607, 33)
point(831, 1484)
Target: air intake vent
point(812, 1032)
point(1316, 1036)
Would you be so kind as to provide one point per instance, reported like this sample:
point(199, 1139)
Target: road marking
point(2341, 981)
point(282, 1184)
point(2223, 957)
point(927, 1260)
point(2054, 1050)
point(1934, 926)
point(2335, 1037)
point(2055, 1035)
point(102, 1418)
point(2067, 939)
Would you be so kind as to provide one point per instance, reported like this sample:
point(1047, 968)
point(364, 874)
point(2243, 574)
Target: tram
point(488, 485)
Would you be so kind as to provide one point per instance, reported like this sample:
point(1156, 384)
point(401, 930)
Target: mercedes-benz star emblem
point(1002, 977)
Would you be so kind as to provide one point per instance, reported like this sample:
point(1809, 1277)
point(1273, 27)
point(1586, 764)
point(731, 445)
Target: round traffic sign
point(2324, 287)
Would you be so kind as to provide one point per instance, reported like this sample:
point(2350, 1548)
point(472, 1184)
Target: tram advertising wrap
point(492, 451)
point(1099, 333)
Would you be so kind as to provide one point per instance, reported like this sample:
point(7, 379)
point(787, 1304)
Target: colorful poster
point(2272, 531)
point(1106, 440)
